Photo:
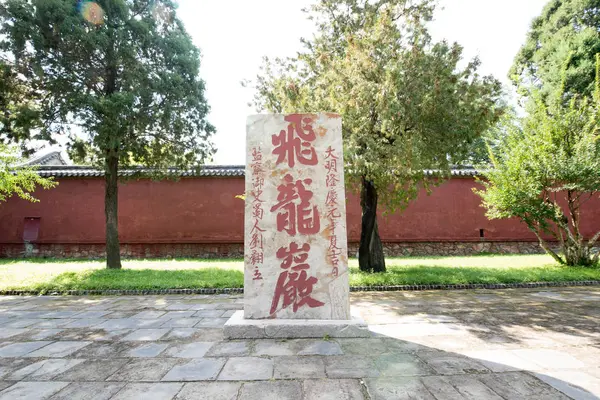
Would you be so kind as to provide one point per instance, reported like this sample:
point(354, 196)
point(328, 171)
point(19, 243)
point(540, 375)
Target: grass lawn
point(48, 275)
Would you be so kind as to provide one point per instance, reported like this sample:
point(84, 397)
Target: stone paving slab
point(229, 349)
point(93, 370)
point(189, 350)
point(89, 391)
point(274, 348)
point(247, 369)
point(32, 390)
point(58, 349)
point(351, 366)
point(146, 334)
point(10, 365)
point(520, 385)
point(299, 367)
point(503, 344)
point(6, 333)
point(333, 389)
point(21, 348)
point(147, 350)
point(271, 390)
point(212, 391)
point(4, 385)
point(148, 391)
point(200, 369)
point(41, 334)
point(44, 370)
point(104, 349)
point(144, 370)
point(183, 333)
point(575, 384)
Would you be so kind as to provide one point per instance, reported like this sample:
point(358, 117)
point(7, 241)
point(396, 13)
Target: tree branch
point(593, 240)
point(574, 211)
point(546, 248)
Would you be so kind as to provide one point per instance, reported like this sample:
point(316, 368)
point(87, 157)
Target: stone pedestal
point(295, 250)
point(239, 327)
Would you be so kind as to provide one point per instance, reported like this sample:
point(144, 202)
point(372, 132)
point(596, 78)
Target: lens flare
point(92, 12)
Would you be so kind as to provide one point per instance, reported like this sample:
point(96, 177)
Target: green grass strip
point(48, 276)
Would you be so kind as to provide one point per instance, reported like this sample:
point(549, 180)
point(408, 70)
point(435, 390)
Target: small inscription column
point(296, 258)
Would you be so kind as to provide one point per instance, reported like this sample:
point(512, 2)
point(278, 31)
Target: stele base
point(240, 328)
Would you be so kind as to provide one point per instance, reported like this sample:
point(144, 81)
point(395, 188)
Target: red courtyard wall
point(205, 210)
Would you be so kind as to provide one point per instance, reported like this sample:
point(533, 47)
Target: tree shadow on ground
point(424, 345)
point(143, 279)
point(403, 369)
point(551, 336)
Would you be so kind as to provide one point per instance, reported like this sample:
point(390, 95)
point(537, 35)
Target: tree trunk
point(370, 252)
point(111, 202)
point(577, 254)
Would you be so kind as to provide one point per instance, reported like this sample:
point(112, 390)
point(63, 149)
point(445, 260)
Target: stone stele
point(296, 255)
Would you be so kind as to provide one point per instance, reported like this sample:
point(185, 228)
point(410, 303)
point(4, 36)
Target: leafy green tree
point(546, 169)
point(479, 152)
point(19, 179)
point(407, 103)
point(565, 27)
point(119, 78)
point(18, 111)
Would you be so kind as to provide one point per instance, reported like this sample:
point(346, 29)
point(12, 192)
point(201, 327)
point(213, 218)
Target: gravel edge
point(384, 288)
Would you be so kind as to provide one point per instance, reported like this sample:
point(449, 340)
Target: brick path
point(513, 344)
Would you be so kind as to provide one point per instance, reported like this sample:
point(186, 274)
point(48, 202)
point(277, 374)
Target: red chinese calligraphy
point(257, 211)
point(258, 180)
point(257, 257)
point(257, 275)
point(329, 153)
point(332, 198)
point(256, 233)
point(290, 147)
point(295, 213)
point(331, 180)
point(333, 214)
point(333, 253)
point(331, 202)
point(294, 286)
point(295, 254)
point(256, 237)
point(331, 164)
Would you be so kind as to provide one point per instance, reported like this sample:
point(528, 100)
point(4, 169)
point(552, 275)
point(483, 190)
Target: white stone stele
point(239, 327)
point(267, 172)
point(325, 183)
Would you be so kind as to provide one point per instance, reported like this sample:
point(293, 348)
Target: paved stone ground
point(513, 344)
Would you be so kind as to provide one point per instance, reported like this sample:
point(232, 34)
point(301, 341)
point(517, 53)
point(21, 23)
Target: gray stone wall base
point(240, 328)
point(236, 250)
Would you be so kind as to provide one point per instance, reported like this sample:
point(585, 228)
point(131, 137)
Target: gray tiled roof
point(53, 158)
point(207, 170)
point(87, 171)
point(464, 171)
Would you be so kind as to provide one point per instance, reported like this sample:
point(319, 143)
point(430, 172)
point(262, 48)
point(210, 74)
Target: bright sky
point(234, 35)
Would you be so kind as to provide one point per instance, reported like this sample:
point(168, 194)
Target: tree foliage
point(407, 103)
point(546, 169)
point(119, 78)
point(479, 152)
point(127, 82)
point(19, 179)
point(19, 114)
point(565, 27)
